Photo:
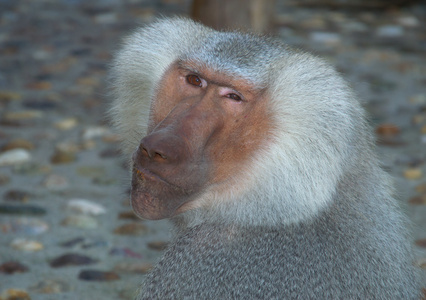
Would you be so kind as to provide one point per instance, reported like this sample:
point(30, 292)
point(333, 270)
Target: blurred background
point(66, 228)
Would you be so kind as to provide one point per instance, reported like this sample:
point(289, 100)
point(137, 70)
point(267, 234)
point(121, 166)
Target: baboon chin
point(262, 157)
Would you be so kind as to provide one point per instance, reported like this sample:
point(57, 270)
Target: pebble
point(421, 243)
point(4, 179)
point(6, 96)
point(28, 226)
point(422, 264)
point(55, 182)
point(26, 245)
point(39, 85)
point(104, 181)
point(80, 221)
point(413, 173)
point(158, 245)
point(94, 244)
point(50, 287)
point(421, 188)
point(14, 294)
point(128, 215)
point(16, 144)
point(390, 31)
point(31, 168)
point(72, 242)
point(62, 157)
point(387, 130)
point(12, 267)
point(86, 207)
point(408, 21)
point(131, 229)
point(22, 115)
point(66, 124)
point(91, 171)
point(112, 138)
point(30, 210)
point(418, 99)
point(134, 267)
point(94, 275)
point(418, 200)
point(68, 146)
point(94, 132)
point(71, 259)
point(14, 157)
point(125, 252)
point(409, 160)
point(16, 196)
point(88, 81)
point(110, 153)
point(84, 243)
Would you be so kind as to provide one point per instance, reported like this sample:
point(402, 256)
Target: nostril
point(152, 154)
point(144, 151)
point(160, 156)
point(160, 147)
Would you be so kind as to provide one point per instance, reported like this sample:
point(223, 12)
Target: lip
point(146, 174)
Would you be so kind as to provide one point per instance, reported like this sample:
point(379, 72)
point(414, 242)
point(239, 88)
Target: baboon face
point(204, 125)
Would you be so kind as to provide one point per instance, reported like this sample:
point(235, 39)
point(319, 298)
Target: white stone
point(14, 157)
point(409, 21)
point(86, 207)
point(55, 182)
point(26, 245)
point(390, 31)
point(66, 124)
point(93, 132)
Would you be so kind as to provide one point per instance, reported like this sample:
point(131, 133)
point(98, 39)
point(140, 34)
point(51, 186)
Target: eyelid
point(225, 92)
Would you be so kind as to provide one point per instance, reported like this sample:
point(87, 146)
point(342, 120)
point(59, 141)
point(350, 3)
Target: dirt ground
point(66, 229)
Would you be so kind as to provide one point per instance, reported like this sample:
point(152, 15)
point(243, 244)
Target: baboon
point(262, 158)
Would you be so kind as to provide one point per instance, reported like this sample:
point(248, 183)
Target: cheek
point(237, 143)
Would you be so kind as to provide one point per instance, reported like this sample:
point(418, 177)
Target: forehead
point(242, 55)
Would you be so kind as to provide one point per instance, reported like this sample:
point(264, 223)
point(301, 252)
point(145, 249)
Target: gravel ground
point(67, 231)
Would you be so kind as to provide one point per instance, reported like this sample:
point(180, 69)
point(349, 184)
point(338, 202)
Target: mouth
point(153, 197)
point(147, 175)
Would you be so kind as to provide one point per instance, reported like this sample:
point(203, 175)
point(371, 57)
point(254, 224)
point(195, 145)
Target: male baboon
point(261, 157)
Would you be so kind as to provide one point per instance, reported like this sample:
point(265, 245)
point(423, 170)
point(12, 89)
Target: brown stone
point(421, 243)
point(157, 245)
point(62, 157)
point(387, 130)
point(39, 85)
point(413, 173)
point(421, 188)
point(95, 275)
point(18, 143)
point(418, 200)
point(128, 215)
point(71, 259)
point(12, 267)
point(131, 229)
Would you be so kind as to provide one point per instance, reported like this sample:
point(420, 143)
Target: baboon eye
point(234, 97)
point(194, 80)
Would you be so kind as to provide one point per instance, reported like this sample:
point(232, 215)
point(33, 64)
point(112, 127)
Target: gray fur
point(310, 216)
